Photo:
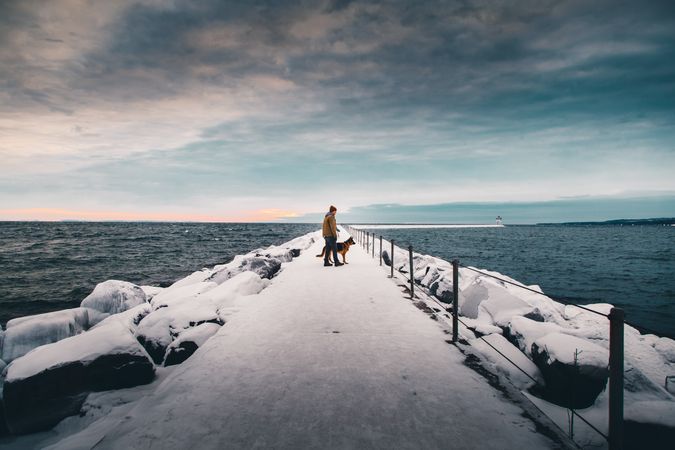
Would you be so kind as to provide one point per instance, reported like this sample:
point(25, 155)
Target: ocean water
point(50, 266)
point(632, 267)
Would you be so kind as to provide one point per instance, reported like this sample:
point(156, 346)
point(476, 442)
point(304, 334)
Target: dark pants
point(331, 244)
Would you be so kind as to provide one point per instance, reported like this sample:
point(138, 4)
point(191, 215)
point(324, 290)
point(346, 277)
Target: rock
point(566, 384)
point(26, 333)
point(3, 425)
point(176, 309)
point(647, 435)
point(113, 297)
point(51, 382)
point(386, 258)
point(262, 265)
point(176, 354)
point(295, 252)
point(188, 342)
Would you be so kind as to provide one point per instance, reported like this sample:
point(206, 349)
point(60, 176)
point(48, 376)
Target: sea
point(47, 266)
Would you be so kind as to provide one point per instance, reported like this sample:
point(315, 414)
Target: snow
point(110, 339)
point(325, 357)
point(517, 377)
point(23, 334)
point(527, 331)
point(245, 283)
point(659, 412)
point(113, 296)
point(129, 318)
point(199, 335)
point(178, 293)
point(562, 347)
point(151, 291)
point(341, 352)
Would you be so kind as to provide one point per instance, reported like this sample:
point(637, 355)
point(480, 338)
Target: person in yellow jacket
point(330, 234)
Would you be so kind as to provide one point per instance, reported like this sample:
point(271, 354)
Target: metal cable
point(531, 290)
point(428, 294)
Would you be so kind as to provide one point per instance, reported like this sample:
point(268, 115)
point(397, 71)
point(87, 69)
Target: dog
point(342, 248)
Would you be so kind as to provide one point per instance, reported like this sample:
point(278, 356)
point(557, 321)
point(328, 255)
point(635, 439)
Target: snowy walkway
point(327, 357)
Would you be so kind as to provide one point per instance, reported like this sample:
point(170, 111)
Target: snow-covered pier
point(328, 357)
point(274, 350)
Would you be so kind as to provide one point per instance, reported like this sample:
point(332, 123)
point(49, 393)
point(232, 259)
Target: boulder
point(176, 309)
point(264, 266)
point(188, 342)
point(386, 258)
point(51, 382)
point(113, 297)
point(570, 384)
point(23, 334)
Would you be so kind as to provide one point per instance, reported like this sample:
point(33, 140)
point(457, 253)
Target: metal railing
point(616, 319)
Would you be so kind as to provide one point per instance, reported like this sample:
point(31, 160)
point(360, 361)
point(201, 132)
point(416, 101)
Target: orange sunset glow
point(57, 214)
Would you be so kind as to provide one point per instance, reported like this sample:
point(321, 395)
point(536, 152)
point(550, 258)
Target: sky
point(447, 111)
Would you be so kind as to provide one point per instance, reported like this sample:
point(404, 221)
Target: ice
point(110, 339)
point(24, 334)
point(129, 318)
point(113, 296)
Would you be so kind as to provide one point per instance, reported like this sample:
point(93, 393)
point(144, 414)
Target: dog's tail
point(323, 252)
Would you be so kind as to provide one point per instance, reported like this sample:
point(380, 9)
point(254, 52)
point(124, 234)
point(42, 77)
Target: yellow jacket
point(330, 226)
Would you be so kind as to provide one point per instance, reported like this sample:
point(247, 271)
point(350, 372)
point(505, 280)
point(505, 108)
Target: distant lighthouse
point(499, 220)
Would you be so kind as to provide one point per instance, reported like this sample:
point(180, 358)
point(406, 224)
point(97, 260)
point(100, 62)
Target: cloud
point(283, 105)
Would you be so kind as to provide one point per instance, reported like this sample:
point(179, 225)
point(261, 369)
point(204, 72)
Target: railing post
point(367, 242)
point(373, 250)
point(391, 257)
point(455, 300)
point(412, 279)
point(380, 249)
point(616, 317)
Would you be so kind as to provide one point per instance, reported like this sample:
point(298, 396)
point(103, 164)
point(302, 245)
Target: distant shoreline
point(420, 225)
point(656, 221)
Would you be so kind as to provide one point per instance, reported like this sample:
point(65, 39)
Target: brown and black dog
point(342, 248)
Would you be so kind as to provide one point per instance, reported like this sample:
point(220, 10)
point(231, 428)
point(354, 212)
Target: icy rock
point(161, 327)
point(188, 342)
point(489, 301)
point(262, 265)
point(180, 294)
point(442, 289)
point(151, 291)
point(566, 384)
point(51, 382)
point(113, 297)
point(195, 277)
point(650, 424)
point(245, 283)
point(4, 431)
point(523, 331)
point(23, 334)
point(386, 258)
point(518, 378)
point(666, 348)
point(129, 318)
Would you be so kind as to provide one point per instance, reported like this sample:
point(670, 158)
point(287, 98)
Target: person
point(330, 235)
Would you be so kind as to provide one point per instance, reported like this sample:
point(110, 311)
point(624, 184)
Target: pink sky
point(54, 214)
